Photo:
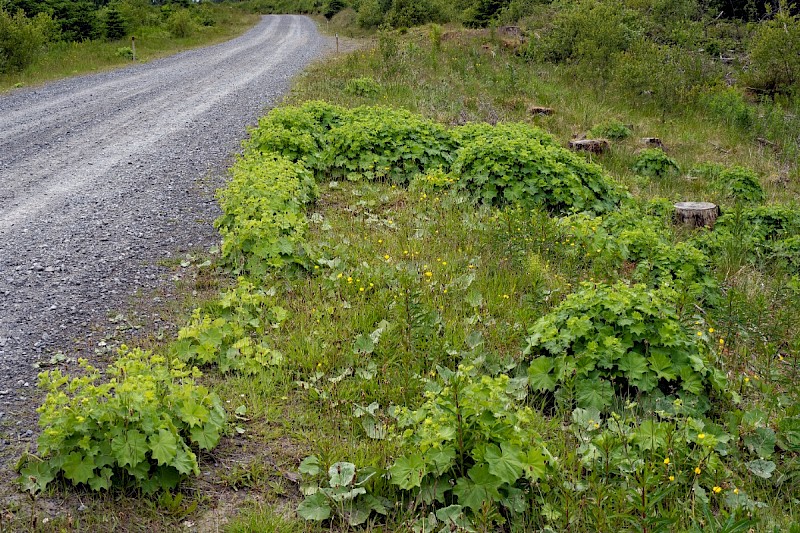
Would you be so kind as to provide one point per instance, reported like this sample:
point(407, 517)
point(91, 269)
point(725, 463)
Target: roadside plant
point(516, 163)
point(263, 224)
point(139, 428)
point(340, 491)
point(365, 87)
point(654, 163)
point(376, 143)
point(605, 340)
point(233, 331)
point(474, 449)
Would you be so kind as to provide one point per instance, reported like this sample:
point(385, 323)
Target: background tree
point(114, 25)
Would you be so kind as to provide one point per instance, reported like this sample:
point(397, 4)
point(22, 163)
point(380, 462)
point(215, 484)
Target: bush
point(482, 12)
point(589, 32)
point(741, 185)
point(382, 142)
point(408, 13)
point(618, 338)
point(114, 25)
point(511, 163)
point(636, 246)
point(232, 332)
point(125, 52)
point(263, 223)
point(614, 130)
point(774, 54)
point(297, 133)
point(370, 14)
point(729, 105)
point(667, 76)
point(180, 23)
point(22, 39)
point(654, 163)
point(364, 87)
point(471, 444)
point(138, 428)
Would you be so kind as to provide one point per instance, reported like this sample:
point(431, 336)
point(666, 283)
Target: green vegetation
point(136, 428)
point(440, 319)
point(51, 39)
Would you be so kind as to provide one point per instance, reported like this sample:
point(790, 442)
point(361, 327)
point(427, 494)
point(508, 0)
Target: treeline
point(27, 27)
point(482, 13)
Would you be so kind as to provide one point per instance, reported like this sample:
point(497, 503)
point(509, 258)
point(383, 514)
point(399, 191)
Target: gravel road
point(102, 177)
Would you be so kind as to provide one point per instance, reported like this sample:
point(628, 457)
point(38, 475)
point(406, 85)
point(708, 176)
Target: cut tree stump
point(696, 214)
point(539, 110)
point(653, 142)
point(595, 146)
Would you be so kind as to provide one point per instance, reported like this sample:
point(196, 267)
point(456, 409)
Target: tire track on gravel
point(102, 176)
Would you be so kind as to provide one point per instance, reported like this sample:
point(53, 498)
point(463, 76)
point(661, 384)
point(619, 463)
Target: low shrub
point(22, 39)
point(740, 185)
point(516, 163)
point(263, 223)
point(472, 445)
point(606, 339)
point(613, 130)
point(654, 163)
point(364, 87)
point(232, 332)
point(137, 428)
point(385, 143)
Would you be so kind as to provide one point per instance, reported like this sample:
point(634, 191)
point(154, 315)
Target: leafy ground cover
point(403, 352)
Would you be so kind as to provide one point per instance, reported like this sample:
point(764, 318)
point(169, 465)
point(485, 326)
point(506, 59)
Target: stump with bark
point(696, 214)
point(595, 146)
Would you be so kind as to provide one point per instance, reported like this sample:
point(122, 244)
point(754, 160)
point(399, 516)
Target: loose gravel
point(103, 177)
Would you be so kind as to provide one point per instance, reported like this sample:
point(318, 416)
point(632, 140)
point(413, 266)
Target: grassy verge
point(65, 59)
point(416, 289)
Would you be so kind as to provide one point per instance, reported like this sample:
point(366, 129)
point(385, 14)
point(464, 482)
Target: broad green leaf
point(633, 366)
point(761, 468)
point(539, 374)
point(77, 468)
point(101, 481)
point(185, 461)
point(341, 474)
point(363, 344)
point(662, 365)
point(479, 488)
point(594, 393)
point(163, 446)
point(35, 475)
point(343, 494)
point(129, 447)
point(310, 466)
point(314, 507)
point(407, 472)
point(505, 462)
point(535, 465)
point(440, 459)
point(206, 437)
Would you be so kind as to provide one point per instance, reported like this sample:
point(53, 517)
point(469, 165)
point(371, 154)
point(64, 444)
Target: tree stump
point(540, 110)
point(696, 214)
point(653, 142)
point(595, 146)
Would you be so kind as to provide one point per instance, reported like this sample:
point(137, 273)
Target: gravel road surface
point(102, 177)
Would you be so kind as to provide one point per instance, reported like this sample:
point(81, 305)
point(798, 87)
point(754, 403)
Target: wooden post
point(337, 43)
point(133, 47)
point(696, 214)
